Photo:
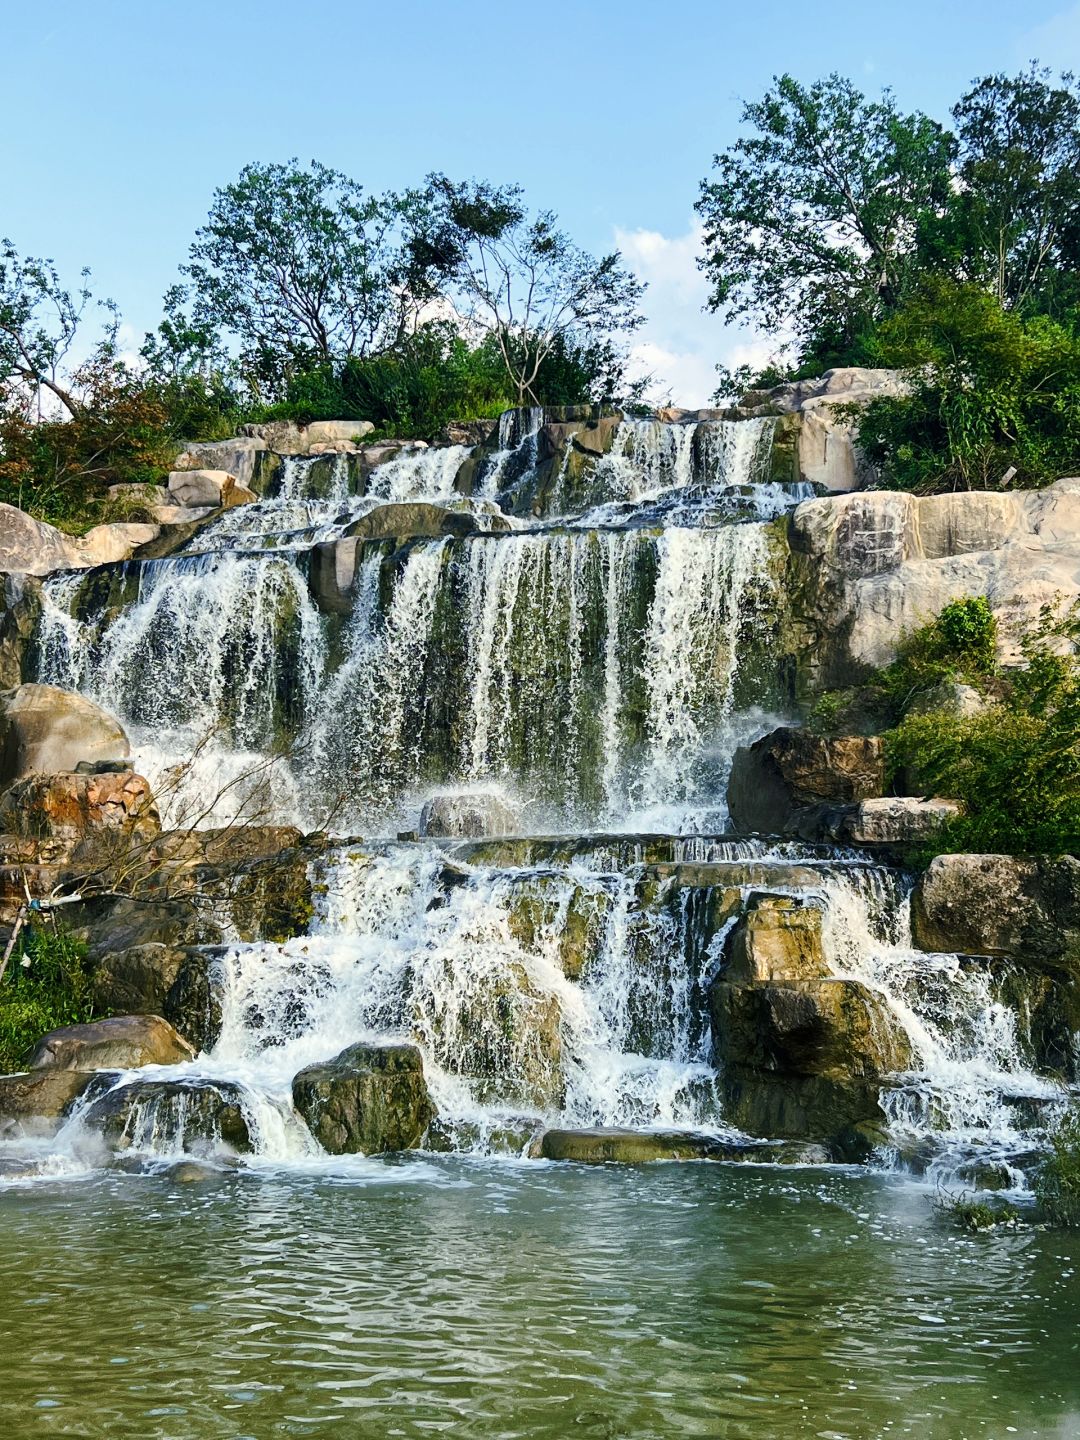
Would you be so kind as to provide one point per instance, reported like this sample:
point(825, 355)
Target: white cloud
point(680, 343)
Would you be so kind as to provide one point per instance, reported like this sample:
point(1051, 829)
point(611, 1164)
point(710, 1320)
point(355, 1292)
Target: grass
point(46, 986)
point(966, 1211)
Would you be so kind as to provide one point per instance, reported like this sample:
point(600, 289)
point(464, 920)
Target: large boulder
point(46, 729)
point(872, 567)
point(1007, 905)
point(640, 1147)
point(195, 1116)
point(214, 488)
point(31, 1103)
point(33, 547)
point(887, 822)
point(123, 1042)
point(89, 820)
point(367, 1100)
point(788, 769)
point(20, 607)
point(802, 1053)
point(238, 457)
point(468, 814)
point(285, 438)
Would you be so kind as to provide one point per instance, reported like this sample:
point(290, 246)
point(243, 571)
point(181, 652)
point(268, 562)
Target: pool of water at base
point(428, 1297)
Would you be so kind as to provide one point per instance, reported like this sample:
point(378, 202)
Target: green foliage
point(812, 218)
point(302, 269)
point(522, 282)
point(972, 1214)
point(958, 646)
point(46, 986)
point(1016, 764)
point(990, 389)
point(1057, 1183)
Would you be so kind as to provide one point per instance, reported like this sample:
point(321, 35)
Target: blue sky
point(123, 115)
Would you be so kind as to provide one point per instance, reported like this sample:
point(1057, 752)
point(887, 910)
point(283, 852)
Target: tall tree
point(39, 320)
point(301, 267)
point(520, 279)
point(812, 220)
point(1014, 223)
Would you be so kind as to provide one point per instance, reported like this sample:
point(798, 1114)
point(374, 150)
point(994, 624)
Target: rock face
point(84, 819)
point(827, 454)
point(33, 1102)
point(639, 1147)
point(285, 438)
point(802, 1052)
point(789, 769)
point(468, 815)
point(194, 1116)
point(20, 606)
point(870, 567)
point(46, 729)
point(208, 488)
point(121, 1043)
point(32, 547)
point(368, 1100)
point(238, 457)
point(999, 905)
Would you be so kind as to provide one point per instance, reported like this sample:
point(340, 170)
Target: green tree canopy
point(812, 220)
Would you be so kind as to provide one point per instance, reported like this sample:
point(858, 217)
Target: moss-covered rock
point(641, 1147)
point(367, 1100)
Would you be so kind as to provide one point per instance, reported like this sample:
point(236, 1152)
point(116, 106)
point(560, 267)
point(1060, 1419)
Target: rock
point(639, 1147)
point(20, 607)
point(239, 456)
point(778, 939)
point(1007, 905)
point(408, 520)
point(790, 768)
point(122, 1043)
point(208, 487)
point(869, 568)
point(32, 1103)
point(892, 820)
point(368, 1100)
point(48, 730)
point(285, 438)
point(468, 814)
point(195, 1116)
point(32, 547)
point(137, 981)
point(88, 820)
point(952, 697)
point(193, 1003)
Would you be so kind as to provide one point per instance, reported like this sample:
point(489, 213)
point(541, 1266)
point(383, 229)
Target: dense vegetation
point(877, 238)
point(1012, 757)
point(304, 298)
point(47, 986)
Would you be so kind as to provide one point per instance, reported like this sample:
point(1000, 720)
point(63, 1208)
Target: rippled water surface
point(467, 1299)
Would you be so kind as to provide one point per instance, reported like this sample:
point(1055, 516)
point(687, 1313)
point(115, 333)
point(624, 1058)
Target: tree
point(812, 222)
point(39, 320)
point(521, 280)
point(301, 267)
point(1014, 223)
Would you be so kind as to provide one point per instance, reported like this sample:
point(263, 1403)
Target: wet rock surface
point(368, 1100)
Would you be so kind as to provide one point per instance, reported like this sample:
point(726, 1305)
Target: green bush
point(1057, 1184)
point(1016, 764)
point(991, 390)
point(958, 646)
point(972, 1214)
point(46, 986)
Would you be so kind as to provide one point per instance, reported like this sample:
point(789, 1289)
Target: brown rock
point(43, 728)
point(32, 1103)
point(790, 769)
point(121, 1043)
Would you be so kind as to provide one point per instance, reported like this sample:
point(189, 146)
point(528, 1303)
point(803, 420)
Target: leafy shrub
point(46, 986)
point(959, 645)
point(991, 390)
point(1016, 764)
point(1057, 1184)
point(973, 1214)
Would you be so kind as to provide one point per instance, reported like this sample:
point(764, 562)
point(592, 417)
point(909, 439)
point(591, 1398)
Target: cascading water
point(597, 656)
